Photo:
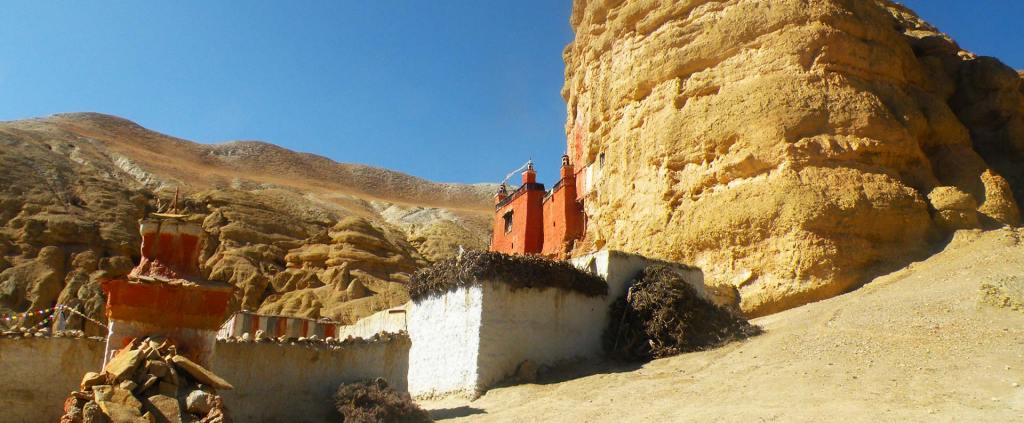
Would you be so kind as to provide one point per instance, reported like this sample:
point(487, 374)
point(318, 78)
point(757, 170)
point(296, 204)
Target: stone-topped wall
point(274, 382)
point(36, 375)
point(295, 383)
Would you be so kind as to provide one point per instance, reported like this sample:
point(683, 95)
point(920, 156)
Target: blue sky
point(449, 90)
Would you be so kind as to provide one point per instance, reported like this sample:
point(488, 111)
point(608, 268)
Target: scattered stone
point(168, 389)
point(91, 413)
point(162, 391)
point(198, 402)
point(102, 392)
point(92, 379)
point(124, 363)
point(246, 337)
point(157, 368)
point(124, 397)
point(120, 413)
point(164, 408)
point(148, 383)
point(200, 374)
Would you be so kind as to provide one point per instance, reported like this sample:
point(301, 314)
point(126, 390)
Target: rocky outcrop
point(76, 186)
point(789, 149)
point(350, 271)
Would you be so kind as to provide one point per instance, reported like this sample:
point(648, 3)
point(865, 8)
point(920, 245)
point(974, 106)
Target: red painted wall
point(526, 236)
point(540, 225)
point(563, 217)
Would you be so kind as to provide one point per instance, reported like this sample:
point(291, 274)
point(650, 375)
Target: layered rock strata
point(790, 149)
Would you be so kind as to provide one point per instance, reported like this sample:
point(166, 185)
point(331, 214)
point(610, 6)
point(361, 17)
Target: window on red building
point(508, 221)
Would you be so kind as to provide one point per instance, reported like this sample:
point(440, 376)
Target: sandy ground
point(914, 345)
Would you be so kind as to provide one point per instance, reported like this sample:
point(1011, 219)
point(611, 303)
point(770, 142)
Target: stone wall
point(36, 375)
point(273, 382)
point(285, 383)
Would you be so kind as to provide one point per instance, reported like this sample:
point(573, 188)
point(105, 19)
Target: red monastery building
point(531, 220)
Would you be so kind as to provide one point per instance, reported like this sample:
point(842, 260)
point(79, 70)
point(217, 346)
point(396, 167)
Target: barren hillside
point(940, 340)
point(297, 233)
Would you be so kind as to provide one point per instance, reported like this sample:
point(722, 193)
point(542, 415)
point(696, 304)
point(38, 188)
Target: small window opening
point(508, 221)
point(600, 160)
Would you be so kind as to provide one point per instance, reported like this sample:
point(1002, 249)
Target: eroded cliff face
point(791, 149)
point(297, 234)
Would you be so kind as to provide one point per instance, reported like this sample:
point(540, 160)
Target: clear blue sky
point(450, 90)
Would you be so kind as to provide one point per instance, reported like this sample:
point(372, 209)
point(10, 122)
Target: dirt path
point(914, 345)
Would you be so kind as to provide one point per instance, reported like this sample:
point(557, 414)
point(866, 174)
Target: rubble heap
point(147, 381)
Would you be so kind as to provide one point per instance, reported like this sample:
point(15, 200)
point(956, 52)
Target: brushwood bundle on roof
point(519, 272)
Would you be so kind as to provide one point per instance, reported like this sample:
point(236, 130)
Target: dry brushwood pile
point(662, 315)
point(148, 382)
point(516, 271)
point(373, 401)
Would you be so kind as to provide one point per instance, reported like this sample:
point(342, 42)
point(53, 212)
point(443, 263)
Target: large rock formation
point(788, 148)
point(75, 187)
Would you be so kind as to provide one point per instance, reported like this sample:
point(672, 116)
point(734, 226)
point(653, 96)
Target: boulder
point(200, 374)
point(92, 379)
point(165, 409)
point(199, 402)
point(124, 363)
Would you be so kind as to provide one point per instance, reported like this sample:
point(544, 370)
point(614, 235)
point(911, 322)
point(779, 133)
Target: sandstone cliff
point(290, 230)
point(790, 149)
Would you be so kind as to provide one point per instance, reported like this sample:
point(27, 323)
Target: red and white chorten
point(531, 220)
point(166, 294)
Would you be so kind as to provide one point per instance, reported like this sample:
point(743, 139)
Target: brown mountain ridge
point(298, 234)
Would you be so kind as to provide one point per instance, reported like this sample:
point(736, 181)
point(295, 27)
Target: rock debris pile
point(147, 381)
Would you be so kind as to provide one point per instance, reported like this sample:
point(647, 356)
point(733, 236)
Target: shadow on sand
point(451, 413)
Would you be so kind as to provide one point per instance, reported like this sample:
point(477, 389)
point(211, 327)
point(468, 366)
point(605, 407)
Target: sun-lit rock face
point(788, 148)
point(295, 233)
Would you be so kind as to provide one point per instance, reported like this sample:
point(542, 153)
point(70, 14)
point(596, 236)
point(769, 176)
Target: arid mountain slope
point(790, 149)
point(940, 340)
point(291, 230)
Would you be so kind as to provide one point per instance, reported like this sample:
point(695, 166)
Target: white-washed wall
point(445, 334)
point(546, 326)
point(392, 320)
point(273, 382)
point(37, 374)
point(619, 269)
point(296, 383)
